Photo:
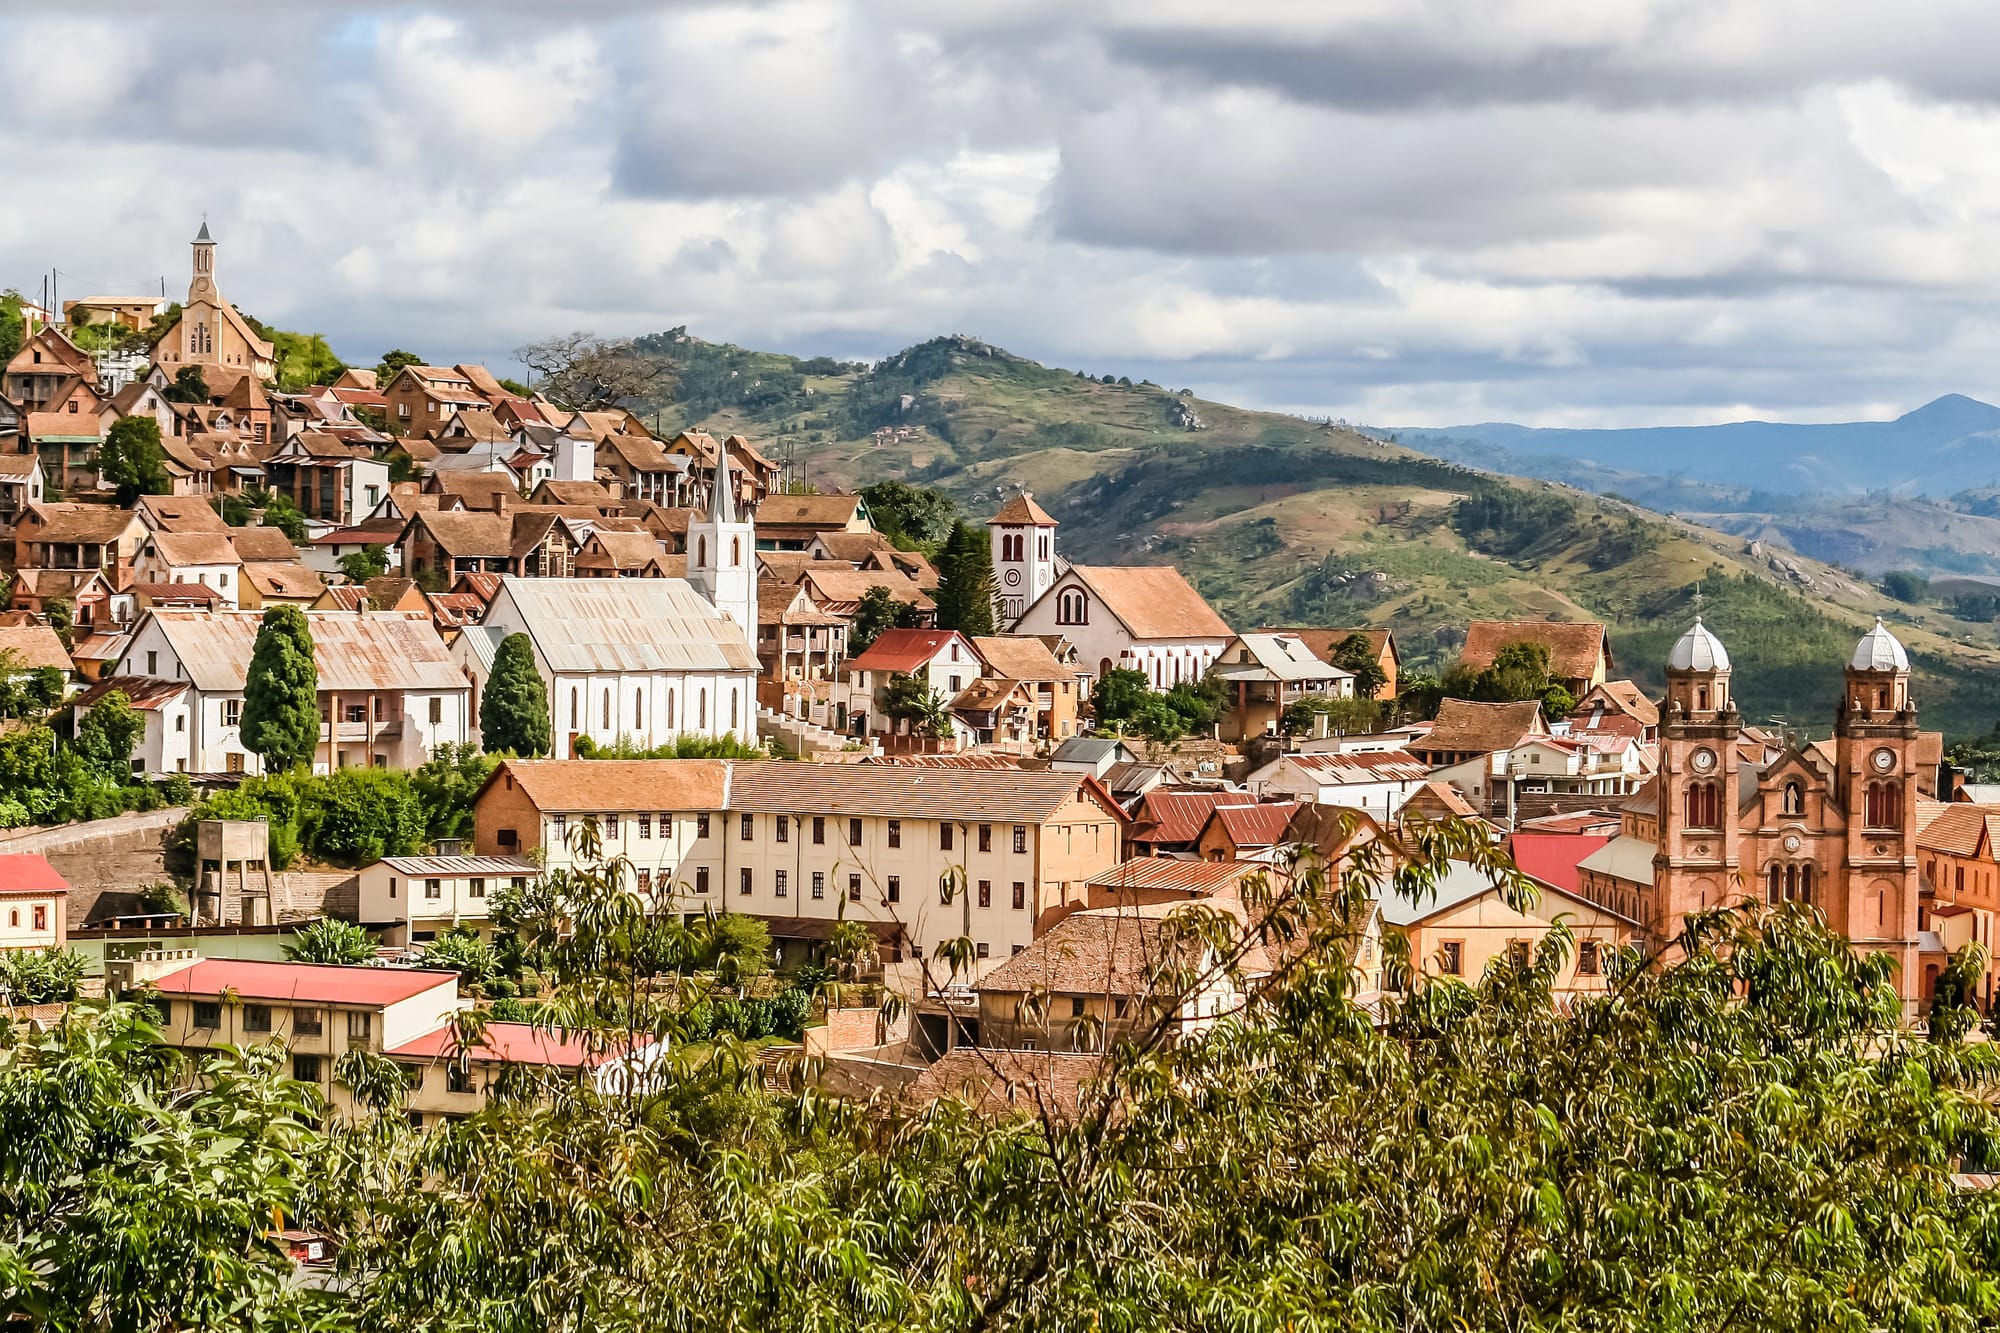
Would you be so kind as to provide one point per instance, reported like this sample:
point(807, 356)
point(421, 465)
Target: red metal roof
point(513, 1043)
point(908, 649)
point(1167, 816)
point(28, 873)
point(322, 983)
point(1553, 858)
point(1255, 825)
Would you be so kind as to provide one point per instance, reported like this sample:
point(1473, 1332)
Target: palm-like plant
point(328, 940)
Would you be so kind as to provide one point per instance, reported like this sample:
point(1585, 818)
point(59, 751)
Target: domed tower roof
point(1698, 650)
point(1879, 650)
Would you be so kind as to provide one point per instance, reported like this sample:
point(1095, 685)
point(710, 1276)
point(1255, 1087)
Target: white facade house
point(1024, 554)
point(1131, 617)
point(943, 661)
point(644, 660)
point(205, 558)
point(411, 898)
point(388, 692)
point(1374, 782)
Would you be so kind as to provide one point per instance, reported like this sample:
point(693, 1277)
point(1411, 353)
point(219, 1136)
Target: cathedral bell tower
point(201, 281)
point(1024, 555)
point(1699, 847)
point(1875, 757)
point(722, 556)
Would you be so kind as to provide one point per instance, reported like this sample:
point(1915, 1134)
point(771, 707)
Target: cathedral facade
point(1829, 824)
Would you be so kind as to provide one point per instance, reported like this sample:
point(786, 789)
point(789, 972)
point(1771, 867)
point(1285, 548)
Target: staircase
point(804, 739)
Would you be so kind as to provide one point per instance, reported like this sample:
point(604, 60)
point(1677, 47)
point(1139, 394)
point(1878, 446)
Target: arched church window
point(1884, 805)
point(1795, 799)
point(1701, 698)
point(735, 551)
point(701, 553)
point(1774, 893)
point(572, 708)
point(607, 709)
point(701, 706)
point(1072, 608)
point(1703, 805)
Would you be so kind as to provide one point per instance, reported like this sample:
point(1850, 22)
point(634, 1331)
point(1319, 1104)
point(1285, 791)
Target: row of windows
point(475, 887)
point(1451, 956)
point(576, 722)
point(1882, 804)
point(305, 1022)
point(612, 825)
point(1013, 546)
point(41, 918)
point(781, 886)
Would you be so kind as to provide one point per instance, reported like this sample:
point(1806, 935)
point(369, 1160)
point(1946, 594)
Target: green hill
point(1282, 520)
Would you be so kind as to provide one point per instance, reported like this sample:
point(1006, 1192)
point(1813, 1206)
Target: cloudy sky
point(1397, 211)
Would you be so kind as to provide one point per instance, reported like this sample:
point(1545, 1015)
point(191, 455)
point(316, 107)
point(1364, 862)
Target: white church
point(1130, 617)
point(640, 660)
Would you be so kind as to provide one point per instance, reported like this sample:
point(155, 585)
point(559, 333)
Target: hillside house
point(1325, 643)
point(1579, 653)
point(1143, 618)
point(34, 905)
point(1265, 674)
point(942, 661)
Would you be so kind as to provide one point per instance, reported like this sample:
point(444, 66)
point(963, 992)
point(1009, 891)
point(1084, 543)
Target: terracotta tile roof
point(608, 786)
point(322, 983)
point(264, 545)
point(31, 647)
point(1575, 649)
point(1466, 726)
point(1014, 796)
point(1261, 825)
point(480, 378)
point(18, 465)
point(908, 649)
point(791, 566)
point(1152, 601)
point(987, 693)
point(853, 547)
point(180, 594)
point(843, 589)
point(179, 513)
point(72, 523)
point(468, 534)
point(1197, 879)
point(478, 489)
point(1625, 697)
point(283, 579)
point(1002, 1083)
point(1022, 511)
point(573, 493)
point(818, 513)
point(1173, 816)
point(1020, 657)
point(787, 604)
point(1106, 952)
point(1956, 830)
point(1436, 800)
point(912, 563)
point(195, 548)
point(626, 550)
point(62, 425)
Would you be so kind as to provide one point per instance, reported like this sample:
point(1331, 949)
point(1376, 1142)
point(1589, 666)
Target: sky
point(1398, 212)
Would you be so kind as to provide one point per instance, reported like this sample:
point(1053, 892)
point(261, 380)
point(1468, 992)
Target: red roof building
point(34, 902)
point(1553, 858)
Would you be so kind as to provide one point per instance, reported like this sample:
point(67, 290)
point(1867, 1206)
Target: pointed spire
point(202, 237)
point(722, 495)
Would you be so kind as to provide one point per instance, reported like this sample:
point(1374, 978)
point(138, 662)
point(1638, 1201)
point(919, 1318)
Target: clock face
point(1013, 578)
point(1703, 760)
point(1884, 759)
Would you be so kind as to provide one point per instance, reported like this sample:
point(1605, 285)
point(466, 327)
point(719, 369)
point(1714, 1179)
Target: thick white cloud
point(1409, 211)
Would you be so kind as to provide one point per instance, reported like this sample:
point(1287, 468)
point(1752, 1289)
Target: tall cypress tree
point(966, 585)
point(281, 692)
point(514, 710)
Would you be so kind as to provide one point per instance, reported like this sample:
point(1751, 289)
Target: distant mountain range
point(1944, 447)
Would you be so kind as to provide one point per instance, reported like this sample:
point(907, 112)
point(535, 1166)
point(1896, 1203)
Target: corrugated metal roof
point(460, 865)
point(972, 795)
point(1197, 878)
point(369, 650)
point(585, 625)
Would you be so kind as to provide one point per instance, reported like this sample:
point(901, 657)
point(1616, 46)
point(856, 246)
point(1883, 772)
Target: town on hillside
point(311, 696)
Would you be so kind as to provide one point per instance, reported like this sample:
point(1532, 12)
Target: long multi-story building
point(803, 845)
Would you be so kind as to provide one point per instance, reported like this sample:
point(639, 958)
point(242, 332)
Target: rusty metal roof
point(589, 625)
point(370, 650)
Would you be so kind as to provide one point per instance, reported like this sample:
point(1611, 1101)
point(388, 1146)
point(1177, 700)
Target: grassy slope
point(1280, 519)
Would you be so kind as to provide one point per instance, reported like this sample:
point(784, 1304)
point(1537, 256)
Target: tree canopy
point(912, 517)
point(281, 692)
point(966, 587)
point(132, 460)
point(584, 372)
point(189, 386)
point(514, 710)
point(878, 610)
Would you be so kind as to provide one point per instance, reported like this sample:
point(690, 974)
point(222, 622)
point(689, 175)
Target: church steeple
point(722, 555)
point(201, 282)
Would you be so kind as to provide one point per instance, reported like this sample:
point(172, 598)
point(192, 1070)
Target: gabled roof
point(1554, 858)
point(265, 545)
point(283, 579)
point(179, 513)
point(80, 523)
point(1575, 649)
point(1354, 767)
point(146, 693)
point(1022, 512)
point(1324, 642)
point(194, 548)
point(1151, 601)
point(1172, 815)
point(467, 534)
point(586, 786)
point(1460, 884)
point(1110, 951)
point(588, 625)
point(1467, 726)
point(1260, 825)
point(908, 649)
point(1020, 657)
point(818, 513)
point(844, 588)
point(1197, 879)
point(1011, 796)
point(25, 872)
point(32, 647)
point(853, 547)
point(1277, 657)
point(512, 1044)
point(1961, 829)
point(374, 650)
point(1620, 696)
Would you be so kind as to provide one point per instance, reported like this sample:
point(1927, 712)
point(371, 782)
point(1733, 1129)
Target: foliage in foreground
point(1744, 1139)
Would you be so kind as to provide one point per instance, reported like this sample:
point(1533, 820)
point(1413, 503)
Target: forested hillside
point(1283, 520)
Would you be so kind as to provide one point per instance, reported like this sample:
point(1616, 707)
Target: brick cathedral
point(1834, 825)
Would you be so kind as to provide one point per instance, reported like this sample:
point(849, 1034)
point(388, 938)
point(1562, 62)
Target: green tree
point(912, 517)
point(1356, 654)
point(189, 386)
point(1119, 695)
point(393, 362)
point(461, 950)
point(878, 610)
point(13, 328)
point(62, 619)
point(966, 588)
point(42, 976)
point(131, 459)
point(446, 784)
point(1906, 586)
point(282, 514)
point(514, 710)
point(331, 940)
point(109, 732)
point(370, 562)
point(281, 692)
point(357, 816)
